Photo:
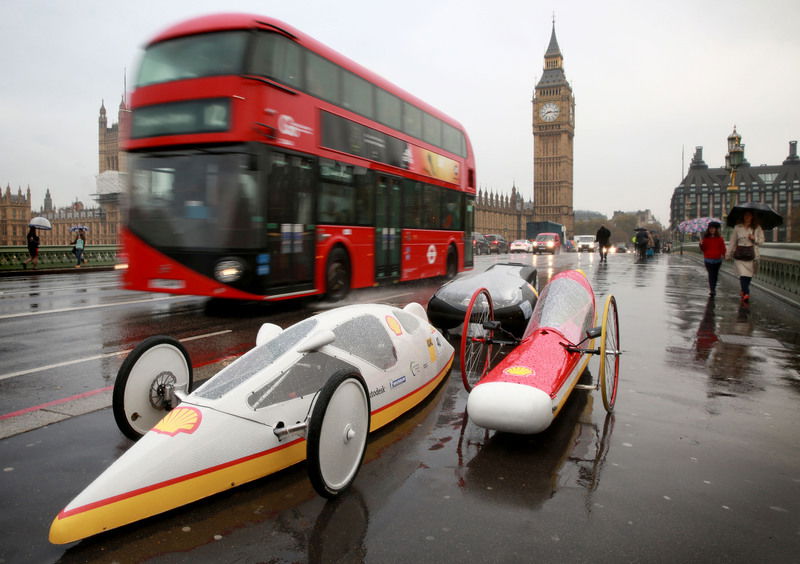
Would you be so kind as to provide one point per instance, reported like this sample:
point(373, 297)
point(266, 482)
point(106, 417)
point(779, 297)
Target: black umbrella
point(767, 217)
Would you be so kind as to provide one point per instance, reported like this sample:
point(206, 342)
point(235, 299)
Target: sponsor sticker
point(398, 381)
point(394, 325)
point(518, 371)
point(377, 391)
point(431, 350)
point(179, 420)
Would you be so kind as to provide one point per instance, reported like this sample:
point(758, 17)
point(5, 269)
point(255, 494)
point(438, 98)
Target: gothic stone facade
point(704, 192)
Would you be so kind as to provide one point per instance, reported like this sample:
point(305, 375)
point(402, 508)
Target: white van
point(585, 243)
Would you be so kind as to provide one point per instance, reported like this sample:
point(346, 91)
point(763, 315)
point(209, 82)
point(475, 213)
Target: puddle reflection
point(528, 470)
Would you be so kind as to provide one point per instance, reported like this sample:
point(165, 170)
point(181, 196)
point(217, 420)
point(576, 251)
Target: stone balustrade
point(57, 256)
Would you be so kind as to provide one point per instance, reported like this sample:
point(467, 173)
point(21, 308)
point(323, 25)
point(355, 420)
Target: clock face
point(549, 111)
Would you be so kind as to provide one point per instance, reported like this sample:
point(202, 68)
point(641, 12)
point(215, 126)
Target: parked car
point(497, 243)
point(569, 246)
point(619, 248)
point(480, 246)
point(547, 243)
point(585, 243)
point(520, 246)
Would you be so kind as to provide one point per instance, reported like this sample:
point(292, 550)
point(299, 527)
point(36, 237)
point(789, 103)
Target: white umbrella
point(40, 223)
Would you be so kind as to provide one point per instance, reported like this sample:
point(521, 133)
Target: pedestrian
point(641, 239)
point(33, 248)
point(713, 246)
point(746, 236)
point(603, 237)
point(77, 247)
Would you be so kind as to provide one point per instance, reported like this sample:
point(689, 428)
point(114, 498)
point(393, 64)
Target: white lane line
point(49, 289)
point(97, 357)
point(96, 306)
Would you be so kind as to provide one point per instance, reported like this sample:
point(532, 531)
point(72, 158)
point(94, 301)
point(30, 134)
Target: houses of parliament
point(553, 122)
point(102, 219)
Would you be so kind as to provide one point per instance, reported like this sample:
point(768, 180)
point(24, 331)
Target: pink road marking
point(89, 394)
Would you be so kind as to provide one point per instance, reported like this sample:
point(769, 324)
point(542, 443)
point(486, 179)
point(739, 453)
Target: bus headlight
point(229, 270)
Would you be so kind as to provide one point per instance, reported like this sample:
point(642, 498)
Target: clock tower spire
point(553, 131)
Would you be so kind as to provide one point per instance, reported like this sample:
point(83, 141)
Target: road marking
point(96, 306)
point(98, 356)
point(50, 289)
point(55, 402)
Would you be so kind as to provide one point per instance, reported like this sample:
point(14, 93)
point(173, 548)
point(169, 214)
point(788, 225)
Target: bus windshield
point(209, 54)
point(196, 199)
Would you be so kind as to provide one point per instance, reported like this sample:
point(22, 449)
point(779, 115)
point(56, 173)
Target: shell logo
point(394, 325)
point(518, 371)
point(179, 420)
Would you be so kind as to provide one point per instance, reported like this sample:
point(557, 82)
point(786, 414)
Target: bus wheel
point(452, 264)
point(337, 275)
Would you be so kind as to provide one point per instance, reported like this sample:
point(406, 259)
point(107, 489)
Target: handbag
point(745, 253)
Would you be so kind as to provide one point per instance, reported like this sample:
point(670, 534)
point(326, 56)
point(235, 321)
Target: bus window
point(412, 120)
point(431, 204)
point(389, 109)
point(322, 78)
point(357, 94)
point(277, 57)
point(451, 210)
point(431, 130)
point(412, 201)
point(451, 139)
point(365, 198)
point(208, 54)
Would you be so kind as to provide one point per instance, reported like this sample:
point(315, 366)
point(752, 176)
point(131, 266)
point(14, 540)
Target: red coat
point(713, 247)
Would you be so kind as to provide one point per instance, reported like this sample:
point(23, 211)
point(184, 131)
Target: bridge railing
point(57, 256)
point(778, 269)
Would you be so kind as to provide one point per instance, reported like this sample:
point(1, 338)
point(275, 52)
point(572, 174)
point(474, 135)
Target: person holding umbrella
point(746, 236)
point(33, 248)
point(713, 246)
point(33, 240)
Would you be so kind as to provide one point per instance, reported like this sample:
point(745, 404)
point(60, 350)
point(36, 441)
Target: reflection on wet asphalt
point(700, 462)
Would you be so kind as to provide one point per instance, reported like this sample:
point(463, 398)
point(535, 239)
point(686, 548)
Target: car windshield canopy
point(567, 305)
point(546, 237)
point(259, 358)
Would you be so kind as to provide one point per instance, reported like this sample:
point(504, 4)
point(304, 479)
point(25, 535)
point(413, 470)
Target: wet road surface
point(700, 461)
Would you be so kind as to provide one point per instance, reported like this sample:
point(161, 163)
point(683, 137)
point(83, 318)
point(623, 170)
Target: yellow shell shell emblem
point(179, 420)
point(431, 350)
point(394, 325)
point(518, 371)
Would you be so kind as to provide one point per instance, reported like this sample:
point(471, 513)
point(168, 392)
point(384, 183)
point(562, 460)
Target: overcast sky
point(652, 79)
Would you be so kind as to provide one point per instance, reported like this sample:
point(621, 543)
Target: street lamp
point(733, 160)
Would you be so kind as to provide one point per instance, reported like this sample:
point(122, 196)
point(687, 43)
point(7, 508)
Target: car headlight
point(549, 244)
point(229, 269)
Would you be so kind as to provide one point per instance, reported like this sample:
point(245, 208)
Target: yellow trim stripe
point(113, 512)
point(94, 518)
point(392, 411)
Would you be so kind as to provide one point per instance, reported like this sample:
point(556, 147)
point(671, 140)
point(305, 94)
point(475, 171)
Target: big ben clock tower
point(553, 130)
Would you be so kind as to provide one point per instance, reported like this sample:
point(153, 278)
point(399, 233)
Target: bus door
point(387, 228)
point(288, 262)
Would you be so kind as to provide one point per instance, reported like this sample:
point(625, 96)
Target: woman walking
point(743, 249)
point(713, 246)
point(33, 248)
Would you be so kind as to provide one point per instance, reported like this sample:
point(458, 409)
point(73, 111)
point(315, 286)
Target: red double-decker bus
point(264, 165)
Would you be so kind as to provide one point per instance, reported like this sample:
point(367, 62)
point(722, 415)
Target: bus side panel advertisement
point(341, 134)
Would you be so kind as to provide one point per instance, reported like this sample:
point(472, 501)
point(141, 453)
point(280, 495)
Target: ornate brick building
point(103, 221)
point(704, 191)
point(505, 215)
